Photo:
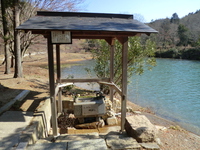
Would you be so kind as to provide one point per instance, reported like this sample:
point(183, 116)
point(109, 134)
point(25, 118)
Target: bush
point(192, 54)
point(171, 53)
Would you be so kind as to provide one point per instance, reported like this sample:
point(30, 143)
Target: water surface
point(171, 89)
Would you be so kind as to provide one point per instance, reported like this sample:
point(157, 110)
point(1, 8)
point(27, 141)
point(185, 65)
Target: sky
point(144, 10)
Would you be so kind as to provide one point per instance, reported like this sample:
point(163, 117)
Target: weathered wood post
point(124, 80)
point(111, 42)
point(52, 87)
point(58, 77)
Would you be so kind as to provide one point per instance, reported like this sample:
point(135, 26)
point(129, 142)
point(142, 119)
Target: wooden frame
point(116, 30)
point(56, 90)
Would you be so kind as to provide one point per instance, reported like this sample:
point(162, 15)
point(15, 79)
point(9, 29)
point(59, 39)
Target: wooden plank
point(85, 80)
point(113, 85)
point(124, 81)
point(117, 89)
point(59, 86)
point(91, 34)
point(57, 89)
point(64, 84)
point(58, 62)
point(52, 87)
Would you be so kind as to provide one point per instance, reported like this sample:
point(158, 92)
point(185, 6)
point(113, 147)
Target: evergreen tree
point(139, 56)
point(174, 19)
point(183, 35)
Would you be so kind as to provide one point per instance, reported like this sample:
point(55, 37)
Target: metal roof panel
point(85, 23)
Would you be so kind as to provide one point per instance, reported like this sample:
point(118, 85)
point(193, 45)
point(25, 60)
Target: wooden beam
point(110, 41)
point(100, 36)
point(121, 40)
point(124, 80)
point(91, 34)
point(52, 87)
point(85, 80)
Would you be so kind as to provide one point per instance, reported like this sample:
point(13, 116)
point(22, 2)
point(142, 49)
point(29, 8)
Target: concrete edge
point(19, 97)
point(40, 124)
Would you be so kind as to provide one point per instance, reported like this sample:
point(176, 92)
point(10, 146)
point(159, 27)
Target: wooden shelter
point(62, 27)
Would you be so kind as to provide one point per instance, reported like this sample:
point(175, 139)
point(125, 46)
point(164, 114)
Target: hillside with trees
point(178, 37)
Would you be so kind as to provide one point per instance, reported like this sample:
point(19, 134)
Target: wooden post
point(112, 49)
point(52, 87)
point(124, 81)
point(59, 77)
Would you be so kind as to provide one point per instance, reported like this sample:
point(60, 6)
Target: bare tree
point(56, 5)
point(24, 9)
point(5, 37)
point(18, 65)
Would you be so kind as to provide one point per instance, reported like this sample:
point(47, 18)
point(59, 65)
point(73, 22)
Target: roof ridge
point(84, 14)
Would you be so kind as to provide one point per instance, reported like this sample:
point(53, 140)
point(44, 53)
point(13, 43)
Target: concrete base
point(97, 144)
point(40, 125)
point(112, 121)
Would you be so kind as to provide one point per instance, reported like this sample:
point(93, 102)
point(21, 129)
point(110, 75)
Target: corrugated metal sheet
point(84, 22)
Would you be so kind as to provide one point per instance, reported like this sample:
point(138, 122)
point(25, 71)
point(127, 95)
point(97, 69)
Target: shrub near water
point(171, 53)
point(191, 54)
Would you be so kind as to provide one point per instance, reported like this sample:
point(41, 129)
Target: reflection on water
point(171, 89)
point(78, 71)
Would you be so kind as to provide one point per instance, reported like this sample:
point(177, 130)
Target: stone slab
point(22, 146)
point(150, 146)
point(112, 121)
point(140, 128)
point(48, 146)
point(77, 137)
point(93, 144)
point(12, 123)
point(118, 142)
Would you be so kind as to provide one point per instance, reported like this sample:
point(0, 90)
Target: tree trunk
point(12, 61)
point(18, 63)
point(5, 33)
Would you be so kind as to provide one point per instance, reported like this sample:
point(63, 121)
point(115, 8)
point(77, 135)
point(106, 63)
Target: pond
point(171, 89)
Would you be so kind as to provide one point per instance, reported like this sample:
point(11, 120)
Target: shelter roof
point(78, 21)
